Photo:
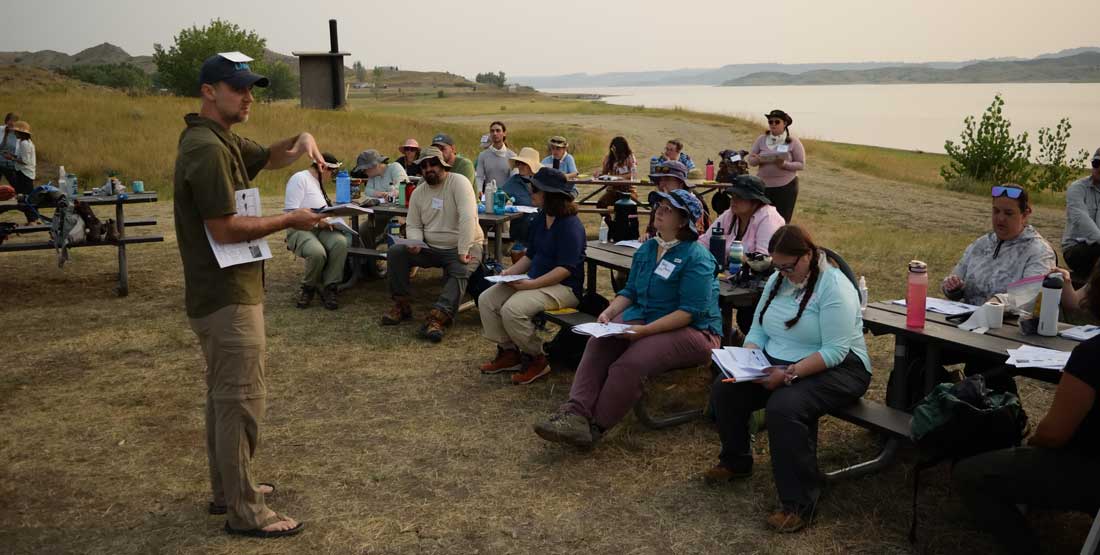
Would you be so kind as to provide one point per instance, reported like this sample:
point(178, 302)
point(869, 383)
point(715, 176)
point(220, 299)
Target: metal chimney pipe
point(337, 65)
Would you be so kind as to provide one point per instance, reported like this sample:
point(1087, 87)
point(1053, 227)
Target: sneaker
point(566, 427)
point(399, 312)
point(533, 369)
point(723, 474)
point(786, 521)
point(328, 297)
point(305, 296)
point(507, 360)
point(434, 325)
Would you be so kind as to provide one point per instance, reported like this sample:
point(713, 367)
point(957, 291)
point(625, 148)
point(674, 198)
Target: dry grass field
point(383, 443)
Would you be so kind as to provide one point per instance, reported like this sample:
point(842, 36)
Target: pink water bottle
point(916, 294)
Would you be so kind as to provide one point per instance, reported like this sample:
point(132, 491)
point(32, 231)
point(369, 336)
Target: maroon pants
point(609, 377)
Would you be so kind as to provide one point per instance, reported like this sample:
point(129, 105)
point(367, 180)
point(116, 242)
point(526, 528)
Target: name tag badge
point(783, 148)
point(665, 269)
point(437, 204)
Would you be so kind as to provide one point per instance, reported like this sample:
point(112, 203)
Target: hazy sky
point(567, 36)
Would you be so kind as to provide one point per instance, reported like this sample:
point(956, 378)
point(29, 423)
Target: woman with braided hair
point(809, 325)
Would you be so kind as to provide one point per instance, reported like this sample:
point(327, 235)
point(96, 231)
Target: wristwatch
point(791, 378)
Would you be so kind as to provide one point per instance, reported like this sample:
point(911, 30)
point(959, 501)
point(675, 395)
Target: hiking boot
point(566, 427)
point(724, 474)
point(434, 325)
point(400, 311)
point(507, 360)
point(305, 296)
point(786, 521)
point(328, 297)
point(533, 369)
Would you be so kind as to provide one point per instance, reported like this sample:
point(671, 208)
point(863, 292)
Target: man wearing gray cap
point(1081, 239)
point(443, 216)
point(225, 305)
point(382, 177)
point(458, 163)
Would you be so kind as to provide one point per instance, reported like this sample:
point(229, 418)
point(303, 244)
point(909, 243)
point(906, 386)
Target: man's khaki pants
point(233, 344)
point(506, 313)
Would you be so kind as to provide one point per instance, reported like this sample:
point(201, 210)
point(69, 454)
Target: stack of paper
point(506, 279)
point(349, 209)
point(526, 209)
point(596, 329)
point(941, 306)
point(394, 240)
point(1037, 357)
point(630, 243)
point(742, 365)
point(1081, 333)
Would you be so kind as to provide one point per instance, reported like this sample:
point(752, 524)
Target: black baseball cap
point(233, 68)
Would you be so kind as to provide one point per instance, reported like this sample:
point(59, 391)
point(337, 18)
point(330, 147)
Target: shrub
point(127, 77)
point(1054, 171)
point(178, 67)
point(987, 151)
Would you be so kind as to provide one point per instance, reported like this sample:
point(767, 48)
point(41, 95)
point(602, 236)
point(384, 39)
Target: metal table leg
point(123, 275)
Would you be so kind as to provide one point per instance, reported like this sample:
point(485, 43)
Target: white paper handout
point(527, 209)
point(629, 243)
point(232, 254)
point(349, 209)
point(395, 240)
point(1028, 356)
point(743, 365)
point(609, 178)
point(596, 329)
point(507, 279)
point(942, 306)
point(1081, 333)
point(340, 225)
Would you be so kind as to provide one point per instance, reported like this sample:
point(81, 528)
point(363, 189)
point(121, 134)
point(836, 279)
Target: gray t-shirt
point(491, 165)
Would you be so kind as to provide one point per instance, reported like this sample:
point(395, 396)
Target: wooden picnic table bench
point(119, 202)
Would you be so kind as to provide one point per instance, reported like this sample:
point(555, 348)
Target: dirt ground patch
point(385, 444)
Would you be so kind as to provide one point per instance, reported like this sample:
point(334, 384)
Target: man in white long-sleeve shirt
point(442, 214)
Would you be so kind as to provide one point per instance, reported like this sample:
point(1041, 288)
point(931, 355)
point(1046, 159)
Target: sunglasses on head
point(662, 169)
point(1007, 191)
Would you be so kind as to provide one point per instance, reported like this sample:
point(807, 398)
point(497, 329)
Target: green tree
point(987, 151)
point(491, 78)
point(360, 71)
point(283, 82)
point(125, 76)
point(178, 66)
point(1053, 169)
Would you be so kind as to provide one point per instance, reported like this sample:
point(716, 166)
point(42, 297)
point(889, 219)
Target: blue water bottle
point(737, 251)
point(500, 202)
point(343, 187)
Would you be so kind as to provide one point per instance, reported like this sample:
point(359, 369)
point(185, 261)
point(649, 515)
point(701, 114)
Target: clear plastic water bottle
point(736, 253)
point(604, 230)
point(61, 185)
point(343, 187)
point(916, 294)
point(490, 190)
point(393, 193)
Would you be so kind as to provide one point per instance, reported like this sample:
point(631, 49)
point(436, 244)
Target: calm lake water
point(913, 117)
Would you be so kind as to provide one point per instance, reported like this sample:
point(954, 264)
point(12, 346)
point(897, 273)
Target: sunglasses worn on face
point(429, 164)
point(775, 121)
point(1005, 191)
point(1096, 163)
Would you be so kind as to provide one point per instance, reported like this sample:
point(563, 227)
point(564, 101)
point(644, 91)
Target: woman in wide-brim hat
point(410, 151)
point(780, 157)
point(25, 159)
point(554, 265)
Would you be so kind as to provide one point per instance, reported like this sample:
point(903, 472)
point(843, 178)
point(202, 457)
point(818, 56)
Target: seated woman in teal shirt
point(671, 304)
point(809, 325)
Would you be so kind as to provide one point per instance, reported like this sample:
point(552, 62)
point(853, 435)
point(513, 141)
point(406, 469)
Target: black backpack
point(567, 348)
point(956, 421)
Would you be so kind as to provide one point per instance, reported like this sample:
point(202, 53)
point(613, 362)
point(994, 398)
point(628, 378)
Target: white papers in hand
point(596, 329)
point(1028, 356)
point(349, 209)
point(340, 225)
point(630, 243)
point(395, 240)
point(527, 209)
point(506, 279)
point(232, 254)
point(741, 364)
point(941, 306)
point(1081, 333)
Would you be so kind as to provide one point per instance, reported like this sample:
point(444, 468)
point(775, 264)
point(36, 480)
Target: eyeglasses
point(1007, 191)
point(1096, 163)
point(429, 164)
point(775, 121)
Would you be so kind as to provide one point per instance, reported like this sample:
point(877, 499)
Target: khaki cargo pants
point(233, 345)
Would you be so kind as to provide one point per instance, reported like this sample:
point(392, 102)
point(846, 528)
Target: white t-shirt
point(25, 159)
point(304, 191)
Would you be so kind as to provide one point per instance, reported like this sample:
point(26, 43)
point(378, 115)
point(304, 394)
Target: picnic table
point(119, 202)
point(938, 334)
point(601, 185)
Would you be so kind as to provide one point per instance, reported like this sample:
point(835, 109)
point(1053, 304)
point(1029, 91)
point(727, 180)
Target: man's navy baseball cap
point(233, 68)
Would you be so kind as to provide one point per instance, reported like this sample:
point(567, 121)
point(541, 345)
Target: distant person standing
point(1081, 239)
point(225, 305)
point(494, 163)
point(24, 160)
point(456, 162)
point(410, 151)
point(8, 142)
point(780, 157)
point(559, 157)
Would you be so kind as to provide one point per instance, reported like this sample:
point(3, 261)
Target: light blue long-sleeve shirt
point(831, 324)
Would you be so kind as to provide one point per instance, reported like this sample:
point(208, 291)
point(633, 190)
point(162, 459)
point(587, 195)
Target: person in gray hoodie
point(1081, 240)
point(1012, 251)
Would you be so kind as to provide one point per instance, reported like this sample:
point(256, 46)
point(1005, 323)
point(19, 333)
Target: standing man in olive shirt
point(225, 305)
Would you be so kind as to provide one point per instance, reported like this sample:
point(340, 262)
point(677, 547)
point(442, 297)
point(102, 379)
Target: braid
point(778, 284)
point(815, 272)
